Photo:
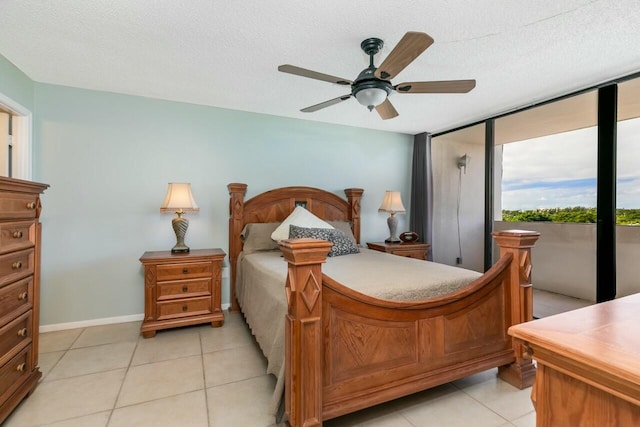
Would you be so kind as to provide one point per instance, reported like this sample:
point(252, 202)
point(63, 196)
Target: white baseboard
point(92, 322)
point(98, 322)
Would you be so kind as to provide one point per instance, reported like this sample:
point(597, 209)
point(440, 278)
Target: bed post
point(303, 330)
point(353, 197)
point(520, 373)
point(236, 211)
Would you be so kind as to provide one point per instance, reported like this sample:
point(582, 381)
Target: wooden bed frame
point(346, 351)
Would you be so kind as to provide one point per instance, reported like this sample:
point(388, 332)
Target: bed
point(345, 350)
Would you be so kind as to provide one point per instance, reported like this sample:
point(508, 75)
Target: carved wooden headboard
point(276, 205)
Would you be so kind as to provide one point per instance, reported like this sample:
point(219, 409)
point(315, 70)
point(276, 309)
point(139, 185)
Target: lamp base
point(180, 226)
point(392, 222)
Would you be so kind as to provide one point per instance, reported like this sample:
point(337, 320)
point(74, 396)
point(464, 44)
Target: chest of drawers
point(20, 233)
point(181, 289)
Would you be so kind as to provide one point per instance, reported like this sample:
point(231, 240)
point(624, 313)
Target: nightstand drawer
point(409, 250)
point(190, 270)
point(15, 297)
point(184, 308)
point(14, 335)
point(16, 265)
point(411, 253)
point(184, 289)
point(16, 235)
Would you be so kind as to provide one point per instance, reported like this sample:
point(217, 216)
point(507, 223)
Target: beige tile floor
point(109, 376)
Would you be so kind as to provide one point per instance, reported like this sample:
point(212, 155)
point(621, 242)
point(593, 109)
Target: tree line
point(573, 214)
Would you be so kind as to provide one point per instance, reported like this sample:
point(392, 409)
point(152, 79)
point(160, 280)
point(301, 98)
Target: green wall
point(109, 157)
point(15, 84)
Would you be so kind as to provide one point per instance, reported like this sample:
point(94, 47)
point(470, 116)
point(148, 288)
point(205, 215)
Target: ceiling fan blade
point(326, 104)
point(446, 86)
point(408, 48)
point(386, 110)
point(292, 69)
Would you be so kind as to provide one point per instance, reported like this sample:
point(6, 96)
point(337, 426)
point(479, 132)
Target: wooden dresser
point(181, 289)
point(20, 233)
point(588, 365)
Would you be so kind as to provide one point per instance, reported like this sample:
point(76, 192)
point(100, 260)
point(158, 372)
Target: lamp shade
point(179, 198)
point(371, 97)
point(392, 203)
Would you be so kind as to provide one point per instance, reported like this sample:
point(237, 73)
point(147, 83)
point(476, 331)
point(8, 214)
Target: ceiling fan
point(373, 86)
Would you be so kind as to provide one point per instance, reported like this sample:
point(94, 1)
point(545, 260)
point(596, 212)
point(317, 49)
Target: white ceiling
point(226, 53)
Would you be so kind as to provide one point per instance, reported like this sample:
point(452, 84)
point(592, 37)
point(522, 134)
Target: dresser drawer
point(15, 236)
point(189, 270)
point(17, 206)
point(184, 289)
point(14, 373)
point(15, 335)
point(15, 297)
point(184, 308)
point(16, 265)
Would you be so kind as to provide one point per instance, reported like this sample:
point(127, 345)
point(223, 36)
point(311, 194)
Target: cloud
point(551, 195)
point(560, 170)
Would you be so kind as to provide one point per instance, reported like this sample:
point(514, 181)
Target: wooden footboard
point(346, 351)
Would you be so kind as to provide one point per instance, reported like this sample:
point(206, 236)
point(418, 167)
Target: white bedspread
point(261, 277)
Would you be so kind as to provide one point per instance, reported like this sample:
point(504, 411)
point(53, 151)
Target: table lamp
point(179, 200)
point(392, 203)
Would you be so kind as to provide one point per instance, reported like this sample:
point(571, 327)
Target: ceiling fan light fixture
point(371, 97)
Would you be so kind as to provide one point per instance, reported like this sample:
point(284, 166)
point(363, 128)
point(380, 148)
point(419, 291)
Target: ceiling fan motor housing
point(367, 80)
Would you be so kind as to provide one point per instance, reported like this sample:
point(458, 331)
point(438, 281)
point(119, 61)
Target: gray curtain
point(421, 212)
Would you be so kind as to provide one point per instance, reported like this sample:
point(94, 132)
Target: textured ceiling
point(226, 53)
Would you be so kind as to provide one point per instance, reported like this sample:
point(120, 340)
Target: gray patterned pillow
point(342, 244)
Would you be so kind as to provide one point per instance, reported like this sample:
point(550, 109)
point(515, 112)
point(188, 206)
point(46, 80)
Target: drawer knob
point(185, 308)
point(31, 205)
point(185, 288)
point(23, 296)
point(17, 265)
point(20, 367)
point(22, 332)
point(185, 270)
point(17, 234)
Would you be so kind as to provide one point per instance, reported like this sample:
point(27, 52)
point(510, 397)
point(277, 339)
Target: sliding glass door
point(545, 180)
point(628, 188)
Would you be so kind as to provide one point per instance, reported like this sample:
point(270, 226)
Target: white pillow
point(300, 217)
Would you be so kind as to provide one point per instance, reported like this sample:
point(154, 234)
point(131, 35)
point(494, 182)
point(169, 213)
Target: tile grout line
point(115, 402)
point(204, 380)
point(65, 351)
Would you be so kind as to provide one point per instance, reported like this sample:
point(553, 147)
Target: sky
point(560, 170)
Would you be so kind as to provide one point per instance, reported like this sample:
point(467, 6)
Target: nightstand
point(181, 289)
point(411, 250)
